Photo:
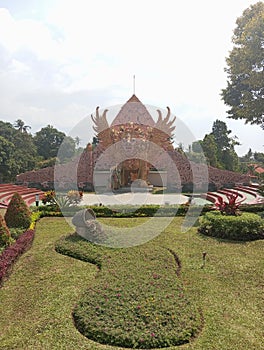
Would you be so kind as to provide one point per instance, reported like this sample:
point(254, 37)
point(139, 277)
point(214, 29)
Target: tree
point(17, 152)
point(259, 157)
point(67, 149)
point(221, 135)
point(77, 141)
point(48, 141)
point(20, 126)
point(245, 88)
point(226, 155)
point(197, 147)
point(7, 150)
point(210, 150)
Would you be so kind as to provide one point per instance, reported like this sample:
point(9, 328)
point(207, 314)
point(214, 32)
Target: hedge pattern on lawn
point(12, 253)
point(17, 213)
point(244, 227)
point(137, 299)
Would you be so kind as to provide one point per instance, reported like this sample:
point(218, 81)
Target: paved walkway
point(133, 199)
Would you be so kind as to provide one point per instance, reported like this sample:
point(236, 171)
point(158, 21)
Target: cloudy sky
point(59, 59)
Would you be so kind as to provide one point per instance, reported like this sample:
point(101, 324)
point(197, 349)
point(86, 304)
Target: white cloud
point(80, 54)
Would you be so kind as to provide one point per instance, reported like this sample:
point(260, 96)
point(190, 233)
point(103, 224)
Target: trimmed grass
point(38, 300)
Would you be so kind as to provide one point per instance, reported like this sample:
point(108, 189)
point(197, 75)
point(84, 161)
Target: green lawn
point(36, 303)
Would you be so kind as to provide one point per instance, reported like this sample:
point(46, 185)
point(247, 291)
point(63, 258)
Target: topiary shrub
point(5, 236)
point(246, 227)
point(17, 213)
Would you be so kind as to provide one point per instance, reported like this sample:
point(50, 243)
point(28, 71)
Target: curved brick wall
point(82, 169)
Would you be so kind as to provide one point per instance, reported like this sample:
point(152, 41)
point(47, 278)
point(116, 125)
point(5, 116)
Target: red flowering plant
point(229, 207)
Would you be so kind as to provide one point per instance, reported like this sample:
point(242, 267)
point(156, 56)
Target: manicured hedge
point(125, 211)
point(252, 208)
point(12, 253)
point(137, 299)
point(244, 227)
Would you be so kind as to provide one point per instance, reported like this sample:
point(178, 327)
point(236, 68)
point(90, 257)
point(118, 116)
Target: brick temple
point(134, 150)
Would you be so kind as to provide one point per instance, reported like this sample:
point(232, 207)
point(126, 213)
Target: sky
point(60, 59)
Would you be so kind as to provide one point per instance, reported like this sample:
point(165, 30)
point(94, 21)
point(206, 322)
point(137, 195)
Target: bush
point(5, 236)
point(17, 213)
point(12, 253)
point(247, 226)
point(252, 208)
point(127, 211)
point(16, 232)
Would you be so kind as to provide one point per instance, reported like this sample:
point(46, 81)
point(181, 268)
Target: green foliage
point(16, 232)
point(259, 157)
point(67, 149)
point(247, 226)
point(21, 126)
point(46, 163)
point(252, 208)
point(244, 92)
point(39, 296)
point(226, 155)
point(48, 141)
point(218, 148)
point(261, 190)
point(137, 300)
point(210, 150)
point(5, 236)
point(17, 213)
point(126, 211)
point(17, 152)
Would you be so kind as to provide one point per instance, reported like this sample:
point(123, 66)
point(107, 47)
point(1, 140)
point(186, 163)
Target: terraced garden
point(218, 301)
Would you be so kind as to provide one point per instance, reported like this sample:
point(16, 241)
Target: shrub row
point(130, 211)
point(252, 208)
point(12, 253)
point(247, 226)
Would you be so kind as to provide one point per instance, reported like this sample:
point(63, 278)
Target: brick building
point(132, 150)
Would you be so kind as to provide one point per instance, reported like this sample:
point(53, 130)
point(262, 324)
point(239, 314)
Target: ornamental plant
point(74, 197)
point(17, 213)
point(231, 207)
point(49, 197)
point(5, 236)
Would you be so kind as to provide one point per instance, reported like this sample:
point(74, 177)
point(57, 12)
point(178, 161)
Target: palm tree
point(77, 141)
point(20, 126)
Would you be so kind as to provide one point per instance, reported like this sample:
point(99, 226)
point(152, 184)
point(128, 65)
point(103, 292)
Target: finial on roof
point(134, 84)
